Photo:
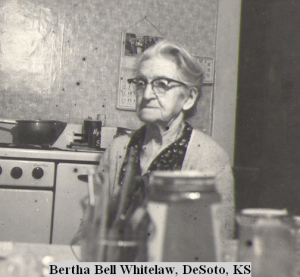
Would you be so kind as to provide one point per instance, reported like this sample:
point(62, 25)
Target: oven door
point(25, 215)
point(69, 193)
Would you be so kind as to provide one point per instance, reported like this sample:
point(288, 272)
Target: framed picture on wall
point(133, 44)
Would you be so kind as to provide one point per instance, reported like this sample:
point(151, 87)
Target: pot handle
point(8, 121)
point(6, 129)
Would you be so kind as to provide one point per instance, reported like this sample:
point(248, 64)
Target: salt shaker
point(267, 240)
point(182, 219)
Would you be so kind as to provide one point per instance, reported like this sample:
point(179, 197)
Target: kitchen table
point(32, 259)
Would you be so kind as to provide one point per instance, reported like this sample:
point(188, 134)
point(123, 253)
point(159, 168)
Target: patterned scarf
point(171, 158)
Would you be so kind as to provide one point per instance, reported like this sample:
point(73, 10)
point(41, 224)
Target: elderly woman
point(168, 84)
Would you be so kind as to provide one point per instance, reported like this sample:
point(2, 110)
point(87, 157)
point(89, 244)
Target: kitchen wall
point(60, 58)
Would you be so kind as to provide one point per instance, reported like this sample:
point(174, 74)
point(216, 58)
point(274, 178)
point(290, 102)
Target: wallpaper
point(60, 59)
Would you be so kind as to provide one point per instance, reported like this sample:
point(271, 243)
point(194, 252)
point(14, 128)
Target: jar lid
point(264, 212)
point(183, 181)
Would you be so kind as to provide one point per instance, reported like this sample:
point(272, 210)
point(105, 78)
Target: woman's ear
point(191, 99)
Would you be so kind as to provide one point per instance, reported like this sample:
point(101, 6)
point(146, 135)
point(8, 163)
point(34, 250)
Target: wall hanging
point(135, 39)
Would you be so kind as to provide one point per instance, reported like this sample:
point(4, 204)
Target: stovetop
point(28, 146)
point(71, 147)
point(47, 152)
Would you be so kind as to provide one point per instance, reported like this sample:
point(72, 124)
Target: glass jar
point(267, 240)
point(182, 220)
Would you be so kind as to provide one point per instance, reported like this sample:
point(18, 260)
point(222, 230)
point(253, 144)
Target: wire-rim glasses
point(159, 85)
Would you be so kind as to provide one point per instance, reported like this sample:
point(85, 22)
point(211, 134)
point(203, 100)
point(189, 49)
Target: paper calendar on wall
point(133, 44)
point(207, 64)
point(127, 99)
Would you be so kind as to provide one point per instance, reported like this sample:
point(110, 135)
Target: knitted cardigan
point(202, 154)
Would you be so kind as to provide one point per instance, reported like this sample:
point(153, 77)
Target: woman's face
point(160, 109)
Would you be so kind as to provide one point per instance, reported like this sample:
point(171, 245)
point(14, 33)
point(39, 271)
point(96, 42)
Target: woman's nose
point(148, 92)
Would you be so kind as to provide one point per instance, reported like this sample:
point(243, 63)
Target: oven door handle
point(83, 178)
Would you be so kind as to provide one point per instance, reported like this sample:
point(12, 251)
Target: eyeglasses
point(159, 86)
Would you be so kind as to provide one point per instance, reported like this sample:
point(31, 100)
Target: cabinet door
point(25, 215)
point(69, 193)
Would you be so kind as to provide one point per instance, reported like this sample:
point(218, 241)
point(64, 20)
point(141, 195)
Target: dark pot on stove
point(36, 132)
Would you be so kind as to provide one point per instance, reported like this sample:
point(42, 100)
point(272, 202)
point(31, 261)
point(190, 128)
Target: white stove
point(41, 194)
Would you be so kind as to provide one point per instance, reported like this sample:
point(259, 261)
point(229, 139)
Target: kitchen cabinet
point(69, 195)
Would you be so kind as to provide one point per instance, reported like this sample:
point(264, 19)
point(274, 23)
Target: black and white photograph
point(135, 44)
point(140, 133)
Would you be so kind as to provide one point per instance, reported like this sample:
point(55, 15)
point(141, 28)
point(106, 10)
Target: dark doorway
point(267, 150)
